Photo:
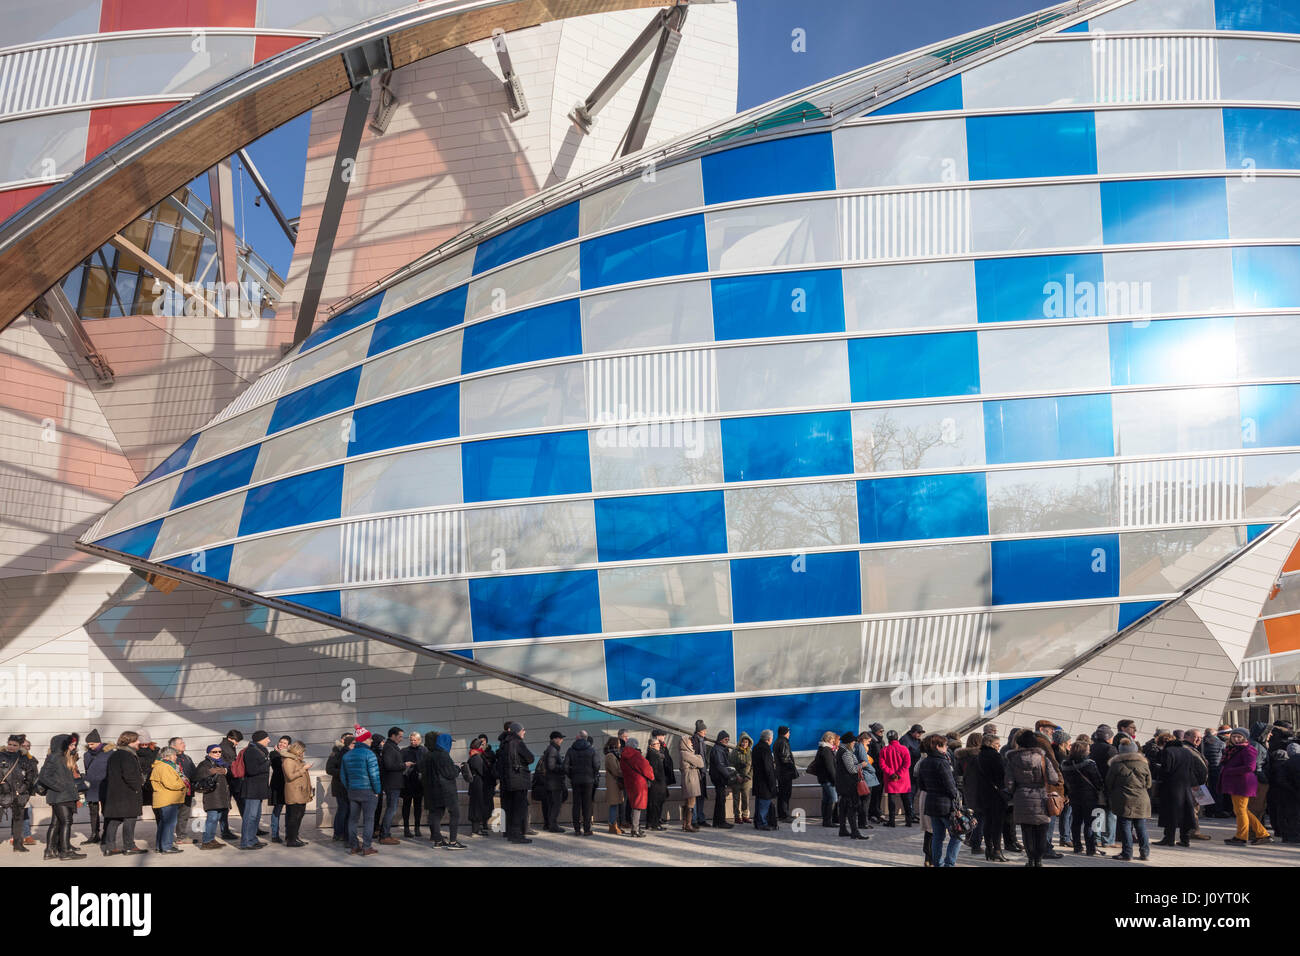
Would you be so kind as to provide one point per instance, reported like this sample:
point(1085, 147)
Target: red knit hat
point(360, 733)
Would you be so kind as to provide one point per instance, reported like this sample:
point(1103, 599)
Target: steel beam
point(290, 231)
point(584, 114)
point(62, 313)
point(670, 38)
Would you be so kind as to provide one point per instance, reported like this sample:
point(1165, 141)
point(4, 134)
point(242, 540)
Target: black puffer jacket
point(61, 785)
point(659, 785)
point(392, 768)
point(438, 773)
point(582, 763)
point(256, 784)
point(411, 779)
point(513, 761)
point(939, 784)
point(333, 763)
point(19, 775)
point(1083, 781)
point(123, 786)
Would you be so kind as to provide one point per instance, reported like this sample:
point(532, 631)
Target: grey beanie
point(1127, 746)
point(1060, 737)
point(1103, 732)
point(515, 727)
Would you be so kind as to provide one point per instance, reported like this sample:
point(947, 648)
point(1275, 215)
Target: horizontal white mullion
point(152, 32)
point(83, 106)
point(1089, 107)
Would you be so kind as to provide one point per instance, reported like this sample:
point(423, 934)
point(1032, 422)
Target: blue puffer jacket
point(359, 769)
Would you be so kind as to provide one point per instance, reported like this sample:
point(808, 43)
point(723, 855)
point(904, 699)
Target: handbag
point(961, 821)
point(1055, 801)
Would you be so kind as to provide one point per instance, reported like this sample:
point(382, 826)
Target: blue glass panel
point(944, 95)
point(327, 601)
point(1023, 145)
point(175, 461)
point(301, 499)
point(534, 605)
point(998, 692)
point(788, 587)
point(1048, 429)
point(661, 526)
point(787, 446)
point(1270, 415)
point(1164, 210)
point(1077, 28)
point(210, 562)
point(1262, 138)
point(1253, 531)
point(1039, 287)
point(1130, 612)
point(541, 232)
point(137, 541)
point(359, 314)
point(783, 303)
point(320, 398)
point(914, 366)
point(423, 416)
point(1266, 16)
point(528, 466)
point(679, 665)
point(778, 167)
point(213, 477)
point(807, 715)
point(548, 331)
point(1266, 277)
point(922, 506)
point(672, 247)
point(1173, 352)
point(423, 318)
point(1055, 569)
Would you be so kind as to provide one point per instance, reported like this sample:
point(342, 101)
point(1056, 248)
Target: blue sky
point(839, 35)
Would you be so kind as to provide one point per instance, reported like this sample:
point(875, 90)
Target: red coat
point(637, 774)
point(895, 759)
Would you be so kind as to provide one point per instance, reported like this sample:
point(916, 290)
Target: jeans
point(341, 815)
point(939, 826)
point(250, 820)
point(361, 813)
point(764, 813)
point(613, 813)
point(165, 838)
point(828, 802)
point(275, 819)
point(1112, 822)
point(391, 800)
point(1126, 827)
point(1063, 823)
point(210, 825)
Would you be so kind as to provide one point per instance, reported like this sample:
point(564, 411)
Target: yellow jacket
point(168, 785)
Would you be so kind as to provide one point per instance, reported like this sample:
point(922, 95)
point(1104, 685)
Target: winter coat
point(1101, 753)
point(992, 778)
point(62, 786)
point(392, 766)
point(513, 761)
point(1084, 783)
point(19, 775)
point(867, 764)
point(1177, 772)
point(333, 763)
point(123, 786)
point(637, 775)
point(1128, 786)
point(823, 765)
point(766, 772)
point(659, 785)
point(692, 765)
point(256, 784)
point(481, 786)
point(913, 748)
point(783, 759)
point(582, 763)
point(742, 758)
point(359, 770)
point(720, 766)
point(145, 757)
point(846, 772)
point(277, 777)
point(438, 773)
point(972, 778)
point(218, 798)
point(297, 780)
point(553, 763)
point(895, 765)
point(1237, 771)
point(613, 778)
point(700, 744)
point(1212, 750)
point(1031, 773)
point(95, 763)
point(936, 778)
point(411, 784)
point(168, 785)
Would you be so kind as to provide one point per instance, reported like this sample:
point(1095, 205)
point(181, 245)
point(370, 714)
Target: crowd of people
point(1094, 790)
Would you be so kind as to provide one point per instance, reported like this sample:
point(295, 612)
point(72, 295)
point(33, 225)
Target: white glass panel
point(672, 189)
point(910, 437)
point(1156, 562)
point(779, 234)
point(401, 482)
point(1268, 346)
point(1041, 74)
point(677, 314)
point(30, 21)
point(425, 363)
point(432, 612)
point(791, 375)
point(200, 526)
point(42, 147)
point(314, 444)
point(232, 433)
point(323, 16)
point(1175, 280)
point(1259, 69)
point(1036, 217)
point(148, 502)
point(574, 665)
point(792, 517)
point(1265, 208)
point(327, 359)
point(530, 398)
point(656, 455)
point(900, 153)
point(1048, 638)
point(1051, 499)
point(658, 597)
point(910, 296)
point(929, 578)
point(714, 713)
point(427, 283)
point(559, 533)
point(150, 66)
point(817, 655)
point(524, 283)
point(1159, 140)
point(1045, 359)
point(1157, 15)
point(299, 559)
point(1194, 419)
point(1272, 484)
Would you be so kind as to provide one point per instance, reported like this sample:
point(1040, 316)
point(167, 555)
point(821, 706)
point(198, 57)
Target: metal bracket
point(513, 86)
point(60, 311)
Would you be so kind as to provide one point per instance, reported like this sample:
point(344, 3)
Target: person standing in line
point(64, 786)
point(875, 741)
point(692, 763)
point(637, 777)
point(787, 772)
point(1177, 772)
point(147, 754)
point(582, 767)
point(613, 783)
point(17, 784)
point(1239, 781)
point(742, 761)
point(256, 788)
point(846, 787)
point(700, 742)
point(867, 774)
point(170, 788)
point(481, 786)
point(94, 764)
point(216, 795)
point(942, 797)
point(512, 768)
point(1060, 747)
point(1031, 774)
point(412, 786)
point(1192, 740)
point(1085, 786)
point(229, 750)
point(1128, 794)
point(991, 799)
point(912, 741)
point(439, 774)
point(766, 783)
point(657, 794)
point(392, 774)
point(1101, 752)
point(333, 767)
point(965, 765)
point(896, 766)
point(276, 797)
point(123, 796)
point(297, 791)
point(184, 823)
point(823, 768)
point(359, 770)
point(721, 773)
point(554, 794)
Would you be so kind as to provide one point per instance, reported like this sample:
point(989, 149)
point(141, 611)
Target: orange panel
point(1293, 560)
point(266, 47)
point(111, 124)
point(1283, 633)
point(154, 14)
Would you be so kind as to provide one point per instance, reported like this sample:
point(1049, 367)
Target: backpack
point(237, 768)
